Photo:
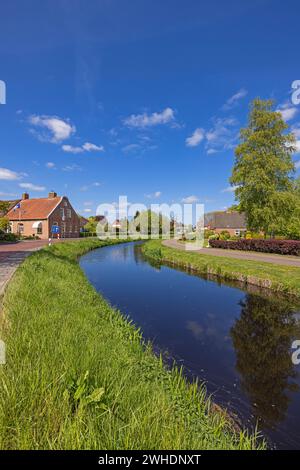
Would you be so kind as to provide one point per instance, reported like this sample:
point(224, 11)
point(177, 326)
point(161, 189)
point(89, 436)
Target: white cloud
point(296, 130)
point(53, 128)
point(86, 147)
point(229, 189)
point(222, 136)
point(297, 145)
point(211, 151)
point(287, 111)
point(50, 165)
point(195, 139)
point(89, 147)
point(87, 210)
point(86, 187)
point(6, 174)
point(131, 148)
point(234, 99)
point(73, 167)
point(32, 187)
point(3, 194)
point(72, 149)
point(189, 199)
point(148, 120)
point(155, 195)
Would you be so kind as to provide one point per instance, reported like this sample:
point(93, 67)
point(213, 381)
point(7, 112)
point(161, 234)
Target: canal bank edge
point(62, 338)
point(276, 277)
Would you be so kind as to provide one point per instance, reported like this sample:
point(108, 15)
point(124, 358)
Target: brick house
point(36, 217)
point(233, 222)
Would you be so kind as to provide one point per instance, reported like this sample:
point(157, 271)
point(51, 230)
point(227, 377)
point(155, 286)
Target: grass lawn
point(274, 276)
point(78, 375)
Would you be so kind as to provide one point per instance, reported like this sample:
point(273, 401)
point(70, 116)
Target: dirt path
point(244, 255)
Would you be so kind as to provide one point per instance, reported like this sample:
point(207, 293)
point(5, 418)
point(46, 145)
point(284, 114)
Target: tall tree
point(264, 168)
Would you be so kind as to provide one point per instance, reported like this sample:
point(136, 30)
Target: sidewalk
point(243, 255)
point(12, 255)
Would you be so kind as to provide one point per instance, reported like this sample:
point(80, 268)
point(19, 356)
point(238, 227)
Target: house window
point(237, 233)
point(69, 213)
point(20, 228)
point(39, 230)
point(70, 229)
point(62, 212)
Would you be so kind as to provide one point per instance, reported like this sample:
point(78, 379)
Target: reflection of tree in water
point(139, 257)
point(262, 338)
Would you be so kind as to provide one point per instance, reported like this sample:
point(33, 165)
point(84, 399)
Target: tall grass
point(78, 375)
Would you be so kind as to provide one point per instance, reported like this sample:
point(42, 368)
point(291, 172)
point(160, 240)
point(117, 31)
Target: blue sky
point(137, 97)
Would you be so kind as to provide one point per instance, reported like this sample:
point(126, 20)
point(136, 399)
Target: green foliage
point(4, 224)
point(224, 235)
point(263, 169)
point(149, 222)
point(214, 236)
point(4, 206)
point(91, 225)
point(208, 233)
point(291, 229)
point(8, 237)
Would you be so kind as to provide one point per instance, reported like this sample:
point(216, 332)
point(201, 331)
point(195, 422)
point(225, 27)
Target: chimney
point(25, 196)
point(52, 194)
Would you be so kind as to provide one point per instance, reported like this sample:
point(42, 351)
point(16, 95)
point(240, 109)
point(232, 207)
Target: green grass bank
point(78, 375)
point(277, 277)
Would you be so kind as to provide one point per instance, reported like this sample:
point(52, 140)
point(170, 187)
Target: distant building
point(82, 222)
point(233, 222)
point(116, 224)
point(37, 216)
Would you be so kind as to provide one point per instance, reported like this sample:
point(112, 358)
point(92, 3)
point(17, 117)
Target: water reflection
point(262, 339)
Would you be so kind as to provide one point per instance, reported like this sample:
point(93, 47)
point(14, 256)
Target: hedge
point(281, 247)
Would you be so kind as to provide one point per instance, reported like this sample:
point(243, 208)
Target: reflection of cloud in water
point(195, 328)
point(206, 332)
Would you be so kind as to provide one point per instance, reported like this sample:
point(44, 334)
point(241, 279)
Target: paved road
point(245, 255)
point(12, 254)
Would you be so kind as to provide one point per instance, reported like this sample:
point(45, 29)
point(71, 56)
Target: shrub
point(224, 235)
point(215, 236)
point(282, 247)
point(8, 237)
point(31, 237)
point(208, 233)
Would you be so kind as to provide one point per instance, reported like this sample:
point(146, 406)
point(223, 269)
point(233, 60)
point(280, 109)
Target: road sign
point(55, 229)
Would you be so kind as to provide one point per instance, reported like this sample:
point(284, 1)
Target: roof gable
point(224, 220)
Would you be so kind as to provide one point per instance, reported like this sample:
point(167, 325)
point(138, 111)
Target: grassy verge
point(274, 276)
point(79, 377)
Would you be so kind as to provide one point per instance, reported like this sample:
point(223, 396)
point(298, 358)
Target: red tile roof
point(30, 209)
